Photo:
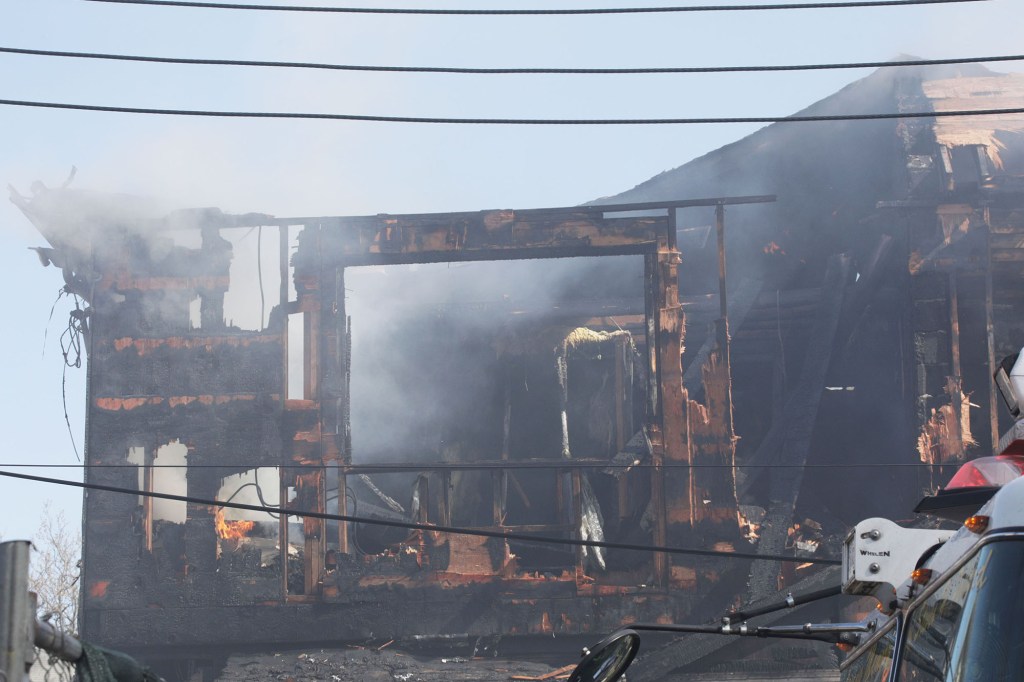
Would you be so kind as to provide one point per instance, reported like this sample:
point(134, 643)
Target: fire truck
point(950, 602)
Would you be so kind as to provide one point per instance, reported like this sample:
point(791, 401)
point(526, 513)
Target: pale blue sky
point(319, 167)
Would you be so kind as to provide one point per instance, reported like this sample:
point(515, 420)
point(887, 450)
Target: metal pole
point(16, 650)
point(58, 643)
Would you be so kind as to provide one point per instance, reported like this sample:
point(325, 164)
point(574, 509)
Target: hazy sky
point(343, 168)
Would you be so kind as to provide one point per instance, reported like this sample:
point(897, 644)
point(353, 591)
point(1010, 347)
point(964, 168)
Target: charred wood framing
point(576, 411)
point(173, 381)
point(788, 446)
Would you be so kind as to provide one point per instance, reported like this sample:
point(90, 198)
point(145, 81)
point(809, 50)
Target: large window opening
point(248, 541)
point(518, 365)
point(255, 276)
point(161, 522)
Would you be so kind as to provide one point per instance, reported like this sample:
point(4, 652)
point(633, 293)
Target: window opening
point(296, 323)
point(517, 361)
point(255, 277)
point(248, 540)
point(297, 365)
point(195, 313)
point(161, 522)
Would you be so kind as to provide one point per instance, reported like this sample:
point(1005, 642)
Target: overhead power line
point(508, 465)
point(505, 121)
point(563, 11)
point(509, 70)
point(408, 525)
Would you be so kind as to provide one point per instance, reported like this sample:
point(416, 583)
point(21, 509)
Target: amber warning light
point(977, 524)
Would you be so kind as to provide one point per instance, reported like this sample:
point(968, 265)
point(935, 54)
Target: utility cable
point(255, 484)
point(71, 349)
point(521, 537)
point(510, 70)
point(560, 11)
point(65, 352)
point(511, 465)
point(511, 121)
point(239, 489)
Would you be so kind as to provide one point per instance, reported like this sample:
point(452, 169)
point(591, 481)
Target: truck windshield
point(874, 664)
point(968, 629)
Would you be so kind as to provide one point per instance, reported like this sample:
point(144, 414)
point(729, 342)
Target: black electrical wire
point(64, 402)
point(64, 371)
point(512, 465)
point(254, 484)
point(511, 70)
point(259, 493)
point(562, 11)
point(238, 490)
point(71, 349)
point(509, 121)
point(46, 330)
point(522, 537)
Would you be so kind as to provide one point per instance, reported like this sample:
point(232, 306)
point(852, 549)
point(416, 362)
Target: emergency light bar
point(978, 480)
point(987, 472)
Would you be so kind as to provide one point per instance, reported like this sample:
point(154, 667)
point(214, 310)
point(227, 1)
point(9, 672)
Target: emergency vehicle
point(958, 616)
point(950, 602)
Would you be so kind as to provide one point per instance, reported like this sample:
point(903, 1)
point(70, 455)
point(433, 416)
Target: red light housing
point(987, 472)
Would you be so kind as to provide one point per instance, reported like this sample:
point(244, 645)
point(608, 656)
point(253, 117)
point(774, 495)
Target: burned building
point(525, 372)
point(911, 227)
point(226, 363)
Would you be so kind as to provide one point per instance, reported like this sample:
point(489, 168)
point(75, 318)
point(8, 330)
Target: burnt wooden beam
point(487, 235)
point(742, 303)
point(669, 423)
point(500, 234)
point(990, 343)
point(589, 209)
point(858, 303)
point(788, 442)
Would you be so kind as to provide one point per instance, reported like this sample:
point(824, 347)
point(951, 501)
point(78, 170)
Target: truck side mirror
point(1009, 382)
point(608, 660)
